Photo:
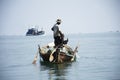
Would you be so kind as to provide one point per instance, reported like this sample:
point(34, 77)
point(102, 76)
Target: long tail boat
point(52, 54)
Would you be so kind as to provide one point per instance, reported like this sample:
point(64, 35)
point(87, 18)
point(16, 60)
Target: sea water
point(98, 58)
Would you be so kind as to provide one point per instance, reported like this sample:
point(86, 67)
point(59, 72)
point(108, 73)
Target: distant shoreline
point(67, 34)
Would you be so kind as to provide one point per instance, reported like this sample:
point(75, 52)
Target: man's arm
point(52, 29)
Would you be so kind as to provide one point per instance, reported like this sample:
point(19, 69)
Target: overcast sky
point(78, 16)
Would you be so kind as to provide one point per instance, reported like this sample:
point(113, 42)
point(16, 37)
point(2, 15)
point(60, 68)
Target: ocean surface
point(98, 58)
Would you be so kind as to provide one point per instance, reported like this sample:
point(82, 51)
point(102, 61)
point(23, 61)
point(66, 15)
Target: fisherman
point(58, 35)
point(58, 40)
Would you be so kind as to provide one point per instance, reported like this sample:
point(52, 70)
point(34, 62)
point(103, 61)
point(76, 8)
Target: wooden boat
point(52, 54)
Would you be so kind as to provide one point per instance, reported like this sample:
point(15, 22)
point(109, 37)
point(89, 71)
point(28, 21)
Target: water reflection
point(56, 71)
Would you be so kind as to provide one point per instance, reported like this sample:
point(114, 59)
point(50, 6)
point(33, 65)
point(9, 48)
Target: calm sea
point(98, 58)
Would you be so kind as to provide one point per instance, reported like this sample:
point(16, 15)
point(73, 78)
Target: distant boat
point(34, 32)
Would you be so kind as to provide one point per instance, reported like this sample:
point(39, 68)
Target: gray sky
point(86, 16)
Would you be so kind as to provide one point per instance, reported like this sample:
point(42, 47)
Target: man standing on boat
point(58, 35)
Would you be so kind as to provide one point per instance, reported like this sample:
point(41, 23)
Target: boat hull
point(50, 54)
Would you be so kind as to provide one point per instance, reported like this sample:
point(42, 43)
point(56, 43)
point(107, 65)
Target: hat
point(58, 20)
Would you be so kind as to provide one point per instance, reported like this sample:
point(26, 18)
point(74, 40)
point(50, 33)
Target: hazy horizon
point(78, 16)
